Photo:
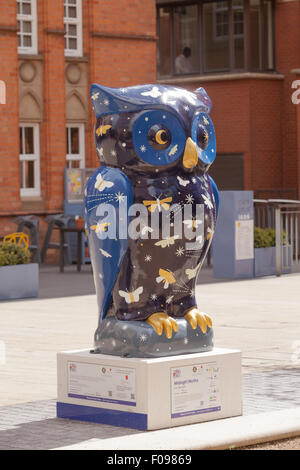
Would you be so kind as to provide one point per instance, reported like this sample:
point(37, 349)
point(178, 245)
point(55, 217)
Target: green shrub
point(11, 254)
point(265, 237)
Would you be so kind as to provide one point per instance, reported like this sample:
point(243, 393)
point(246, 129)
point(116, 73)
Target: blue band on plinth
point(102, 415)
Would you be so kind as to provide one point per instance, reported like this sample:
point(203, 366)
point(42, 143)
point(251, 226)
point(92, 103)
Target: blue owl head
point(153, 128)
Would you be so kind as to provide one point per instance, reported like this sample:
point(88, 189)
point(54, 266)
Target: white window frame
point(78, 157)
point(32, 18)
point(76, 22)
point(35, 157)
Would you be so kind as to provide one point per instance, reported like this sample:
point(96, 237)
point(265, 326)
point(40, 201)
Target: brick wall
point(122, 45)
point(53, 133)
point(287, 38)
point(9, 136)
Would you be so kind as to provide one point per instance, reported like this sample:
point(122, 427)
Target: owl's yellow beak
point(190, 156)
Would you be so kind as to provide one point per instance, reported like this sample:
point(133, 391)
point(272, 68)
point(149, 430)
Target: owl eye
point(202, 137)
point(159, 137)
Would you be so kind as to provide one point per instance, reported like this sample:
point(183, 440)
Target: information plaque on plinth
point(149, 394)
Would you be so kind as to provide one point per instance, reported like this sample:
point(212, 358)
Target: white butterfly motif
point(146, 229)
point(207, 201)
point(131, 297)
point(199, 239)
point(154, 93)
point(191, 273)
point(166, 277)
point(95, 96)
point(102, 184)
point(183, 182)
point(173, 150)
point(192, 223)
point(105, 253)
point(167, 241)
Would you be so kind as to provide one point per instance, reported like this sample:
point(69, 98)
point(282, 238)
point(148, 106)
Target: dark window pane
point(74, 140)
point(72, 30)
point(72, 12)
point(21, 143)
point(29, 174)
point(254, 23)
point(29, 147)
point(238, 33)
point(74, 164)
point(72, 43)
point(164, 45)
point(268, 36)
point(26, 9)
point(26, 26)
point(19, 40)
point(22, 170)
point(67, 139)
point(27, 41)
point(186, 39)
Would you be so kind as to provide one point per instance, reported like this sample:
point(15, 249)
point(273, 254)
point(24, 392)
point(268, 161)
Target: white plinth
point(149, 393)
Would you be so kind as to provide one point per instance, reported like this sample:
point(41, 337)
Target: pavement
point(258, 316)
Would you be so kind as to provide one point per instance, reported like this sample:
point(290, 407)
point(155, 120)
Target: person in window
point(183, 62)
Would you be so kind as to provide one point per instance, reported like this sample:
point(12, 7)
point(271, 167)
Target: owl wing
point(107, 247)
point(216, 194)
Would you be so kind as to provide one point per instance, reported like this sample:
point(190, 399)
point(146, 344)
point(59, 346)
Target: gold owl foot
point(161, 321)
point(195, 318)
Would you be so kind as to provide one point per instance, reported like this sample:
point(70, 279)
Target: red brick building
point(246, 53)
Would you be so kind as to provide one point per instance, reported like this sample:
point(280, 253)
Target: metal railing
point(283, 215)
point(287, 226)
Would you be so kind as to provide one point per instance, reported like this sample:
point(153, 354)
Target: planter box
point(265, 261)
point(19, 281)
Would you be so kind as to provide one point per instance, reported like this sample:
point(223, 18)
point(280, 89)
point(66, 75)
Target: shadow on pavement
point(25, 433)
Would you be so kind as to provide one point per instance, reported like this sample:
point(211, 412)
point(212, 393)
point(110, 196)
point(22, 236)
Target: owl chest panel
point(184, 204)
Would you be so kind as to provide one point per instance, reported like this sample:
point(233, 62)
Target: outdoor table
point(79, 231)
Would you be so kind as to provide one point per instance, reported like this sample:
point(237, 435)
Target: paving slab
point(222, 434)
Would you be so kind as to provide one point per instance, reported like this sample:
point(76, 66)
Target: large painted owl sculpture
point(150, 213)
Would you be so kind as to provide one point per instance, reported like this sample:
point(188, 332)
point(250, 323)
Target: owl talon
point(161, 321)
point(195, 318)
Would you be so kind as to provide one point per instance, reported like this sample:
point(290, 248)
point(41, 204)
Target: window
point(186, 44)
point(75, 146)
point(30, 159)
point(27, 26)
point(73, 27)
point(221, 19)
point(215, 36)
